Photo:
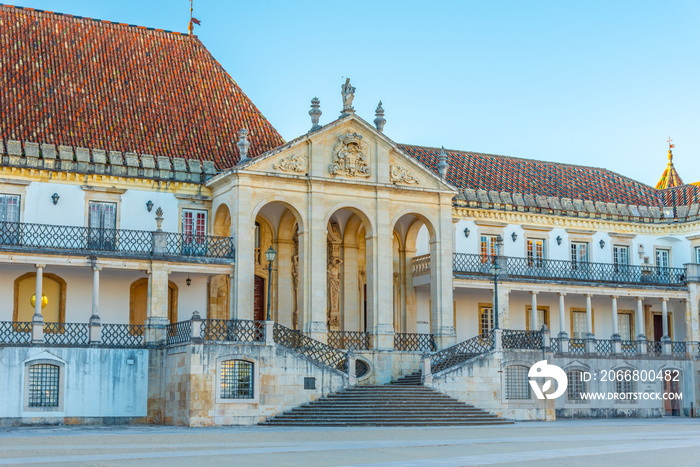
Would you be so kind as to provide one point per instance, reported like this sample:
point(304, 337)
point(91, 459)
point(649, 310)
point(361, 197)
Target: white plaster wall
point(192, 297)
point(423, 310)
point(135, 216)
point(39, 207)
point(97, 382)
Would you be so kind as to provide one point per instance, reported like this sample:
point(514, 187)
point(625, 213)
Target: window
point(625, 325)
point(697, 255)
point(236, 379)
point(624, 384)
point(579, 253)
point(102, 223)
point(542, 317)
point(535, 252)
point(9, 214)
point(663, 258)
point(485, 319)
point(576, 387)
point(488, 247)
point(620, 257)
point(517, 386)
point(43, 385)
point(579, 323)
point(194, 230)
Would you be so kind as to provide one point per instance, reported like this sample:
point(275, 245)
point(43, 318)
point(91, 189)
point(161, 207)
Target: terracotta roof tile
point(681, 195)
point(81, 82)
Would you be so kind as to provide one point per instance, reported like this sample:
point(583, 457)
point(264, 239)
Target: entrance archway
point(138, 301)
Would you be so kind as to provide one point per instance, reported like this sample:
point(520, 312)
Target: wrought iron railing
point(116, 242)
point(204, 246)
point(356, 340)
point(461, 352)
point(465, 263)
point(654, 348)
point(679, 348)
point(123, 335)
point(555, 344)
point(414, 342)
point(577, 346)
point(603, 347)
point(313, 349)
point(69, 334)
point(361, 368)
point(525, 340)
point(219, 330)
point(15, 332)
point(178, 333)
point(629, 347)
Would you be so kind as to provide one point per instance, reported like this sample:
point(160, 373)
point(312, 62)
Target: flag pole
point(190, 28)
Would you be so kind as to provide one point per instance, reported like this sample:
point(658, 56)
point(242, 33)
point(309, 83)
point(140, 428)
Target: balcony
point(122, 243)
point(465, 264)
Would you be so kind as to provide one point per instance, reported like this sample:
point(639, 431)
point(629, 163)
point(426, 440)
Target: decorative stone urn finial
point(315, 113)
point(380, 121)
point(348, 92)
point(443, 166)
point(159, 218)
point(243, 144)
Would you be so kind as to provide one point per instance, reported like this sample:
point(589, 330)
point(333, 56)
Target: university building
point(167, 258)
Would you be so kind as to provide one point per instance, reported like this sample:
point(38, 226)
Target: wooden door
point(672, 406)
point(658, 328)
point(259, 299)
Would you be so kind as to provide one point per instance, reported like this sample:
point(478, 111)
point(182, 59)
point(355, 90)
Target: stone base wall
point(387, 365)
point(191, 384)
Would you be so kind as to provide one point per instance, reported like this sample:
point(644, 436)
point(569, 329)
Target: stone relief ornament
point(399, 174)
point(294, 163)
point(348, 157)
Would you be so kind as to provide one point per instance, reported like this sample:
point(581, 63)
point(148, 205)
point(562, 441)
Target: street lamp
point(270, 255)
point(495, 270)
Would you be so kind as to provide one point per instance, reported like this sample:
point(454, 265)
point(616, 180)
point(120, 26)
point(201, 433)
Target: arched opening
point(53, 288)
point(278, 225)
point(222, 221)
point(138, 301)
point(219, 285)
point(414, 239)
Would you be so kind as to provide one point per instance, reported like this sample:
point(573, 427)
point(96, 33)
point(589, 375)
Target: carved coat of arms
point(348, 157)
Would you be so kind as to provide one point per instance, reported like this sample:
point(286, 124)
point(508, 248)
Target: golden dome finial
point(670, 177)
point(670, 146)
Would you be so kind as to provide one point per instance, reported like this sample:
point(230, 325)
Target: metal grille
point(517, 386)
point(554, 344)
point(624, 383)
point(73, 334)
point(603, 347)
point(461, 352)
point(178, 333)
point(679, 348)
point(43, 385)
point(628, 347)
point(576, 387)
point(355, 340)
point(236, 379)
point(467, 263)
point(122, 335)
point(577, 346)
point(219, 330)
point(178, 244)
point(15, 332)
point(361, 368)
point(514, 339)
point(654, 348)
point(414, 342)
point(315, 350)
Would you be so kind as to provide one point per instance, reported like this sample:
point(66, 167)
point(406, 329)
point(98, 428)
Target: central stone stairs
point(404, 402)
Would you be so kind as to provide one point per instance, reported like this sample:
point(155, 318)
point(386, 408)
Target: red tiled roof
point(490, 172)
point(83, 82)
point(681, 195)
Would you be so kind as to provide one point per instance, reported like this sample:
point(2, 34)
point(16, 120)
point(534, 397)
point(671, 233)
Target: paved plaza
point(570, 443)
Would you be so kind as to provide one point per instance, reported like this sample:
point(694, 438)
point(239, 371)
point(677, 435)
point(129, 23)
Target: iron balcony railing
point(553, 269)
point(112, 242)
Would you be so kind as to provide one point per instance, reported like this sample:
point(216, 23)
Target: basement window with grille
point(576, 386)
point(517, 386)
point(236, 379)
point(42, 382)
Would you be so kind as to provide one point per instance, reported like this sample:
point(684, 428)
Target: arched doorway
point(138, 301)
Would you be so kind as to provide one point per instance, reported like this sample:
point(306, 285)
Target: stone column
point(313, 252)
point(410, 309)
point(95, 332)
point(664, 318)
point(243, 232)
point(380, 284)
point(441, 276)
point(231, 301)
point(640, 320)
point(38, 318)
point(533, 312)
point(692, 312)
point(504, 306)
point(562, 317)
point(589, 317)
point(616, 331)
point(157, 305)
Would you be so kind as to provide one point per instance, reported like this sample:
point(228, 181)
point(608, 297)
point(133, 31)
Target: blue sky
point(597, 83)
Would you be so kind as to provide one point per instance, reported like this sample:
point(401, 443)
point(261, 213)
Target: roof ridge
point(96, 20)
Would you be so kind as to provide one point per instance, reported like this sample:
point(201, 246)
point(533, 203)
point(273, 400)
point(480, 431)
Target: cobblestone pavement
point(571, 443)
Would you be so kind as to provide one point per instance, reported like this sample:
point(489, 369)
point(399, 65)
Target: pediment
point(348, 150)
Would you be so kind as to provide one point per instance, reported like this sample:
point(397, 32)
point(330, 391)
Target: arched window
point(43, 385)
point(236, 379)
point(576, 385)
point(517, 386)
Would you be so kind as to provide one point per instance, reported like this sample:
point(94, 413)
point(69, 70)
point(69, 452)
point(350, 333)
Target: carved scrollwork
point(294, 163)
point(399, 174)
point(348, 158)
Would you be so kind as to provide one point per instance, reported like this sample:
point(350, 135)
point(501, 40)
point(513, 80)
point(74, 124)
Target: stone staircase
point(404, 402)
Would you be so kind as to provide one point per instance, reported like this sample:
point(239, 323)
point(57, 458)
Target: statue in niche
point(295, 293)
point(397, 301)
point(334, 292)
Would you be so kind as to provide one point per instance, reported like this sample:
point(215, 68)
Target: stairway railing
point(311, 348)
point(461, 352)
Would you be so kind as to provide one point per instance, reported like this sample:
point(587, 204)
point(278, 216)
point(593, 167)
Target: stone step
point(277, 422)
